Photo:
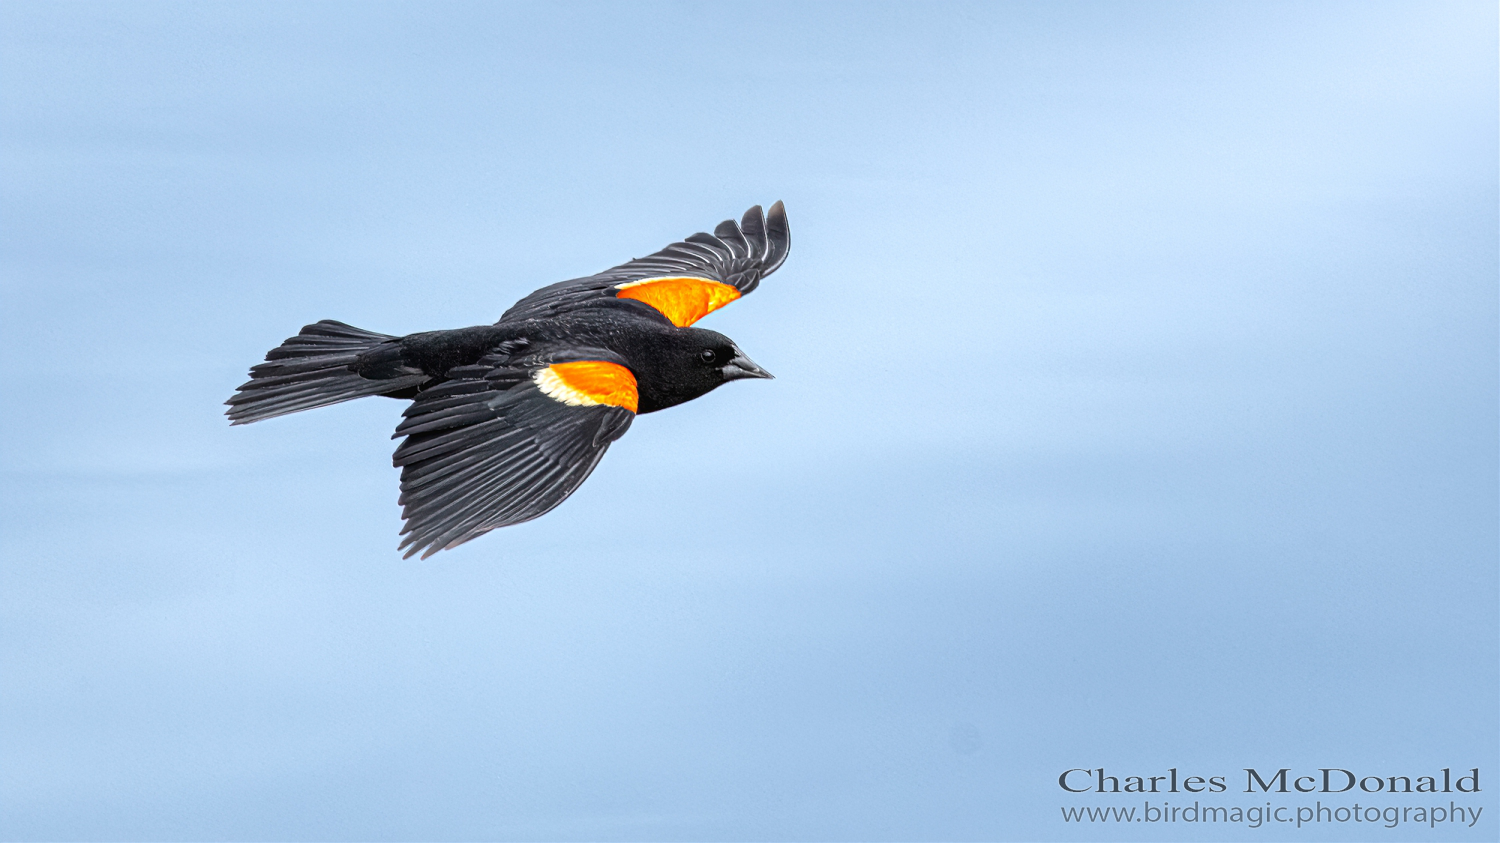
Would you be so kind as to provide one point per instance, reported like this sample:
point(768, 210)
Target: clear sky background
point(1136, 407)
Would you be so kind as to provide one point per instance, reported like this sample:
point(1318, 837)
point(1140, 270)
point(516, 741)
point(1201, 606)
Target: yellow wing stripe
point(683, 300)
point(589, 383)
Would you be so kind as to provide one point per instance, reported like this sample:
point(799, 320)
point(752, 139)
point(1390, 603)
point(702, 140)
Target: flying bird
point(507, 420)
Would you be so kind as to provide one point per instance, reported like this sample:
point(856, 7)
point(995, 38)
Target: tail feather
point(312, 369)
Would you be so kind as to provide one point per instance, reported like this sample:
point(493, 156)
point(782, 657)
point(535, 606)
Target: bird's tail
point(312, 369)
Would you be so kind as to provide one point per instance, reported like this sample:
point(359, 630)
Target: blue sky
point(1136, 406)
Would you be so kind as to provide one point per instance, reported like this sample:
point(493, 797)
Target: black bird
point(507, 420)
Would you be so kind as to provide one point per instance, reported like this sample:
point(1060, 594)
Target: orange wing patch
point(682, 300)
point(589, 383)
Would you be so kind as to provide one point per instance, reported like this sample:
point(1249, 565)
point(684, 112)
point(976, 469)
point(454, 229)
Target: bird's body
point(648, 346)
point(508, 419)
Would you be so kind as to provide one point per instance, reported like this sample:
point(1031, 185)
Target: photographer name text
point(1283, 780)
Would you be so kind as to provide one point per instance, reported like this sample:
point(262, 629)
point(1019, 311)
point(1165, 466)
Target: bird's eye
point(707, 355)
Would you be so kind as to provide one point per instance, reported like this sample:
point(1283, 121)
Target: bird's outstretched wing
point(504, 441)
point(685, 281)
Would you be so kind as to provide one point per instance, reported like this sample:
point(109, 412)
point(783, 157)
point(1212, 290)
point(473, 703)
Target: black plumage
point(509, 419)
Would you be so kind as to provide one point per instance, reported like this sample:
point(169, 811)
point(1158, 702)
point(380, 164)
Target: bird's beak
point(743, 367)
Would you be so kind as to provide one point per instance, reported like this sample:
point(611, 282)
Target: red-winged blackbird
point(506, 420)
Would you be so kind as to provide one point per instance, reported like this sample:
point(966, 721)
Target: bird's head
point(692, 362)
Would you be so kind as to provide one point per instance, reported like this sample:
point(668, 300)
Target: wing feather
point(737, 254)
point(490, 448)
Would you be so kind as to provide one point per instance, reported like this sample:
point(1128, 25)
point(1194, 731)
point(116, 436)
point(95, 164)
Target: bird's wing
point(685, 281)
point(505, 441)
